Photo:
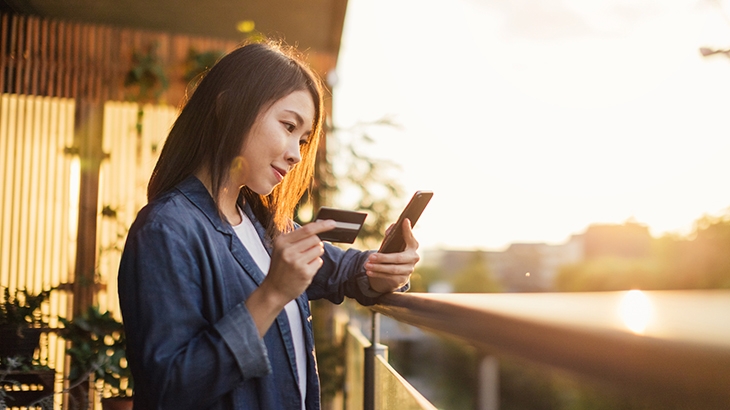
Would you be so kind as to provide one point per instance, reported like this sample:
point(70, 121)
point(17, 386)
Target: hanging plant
point(199, 62)
point(147, 80)
point(147, 77)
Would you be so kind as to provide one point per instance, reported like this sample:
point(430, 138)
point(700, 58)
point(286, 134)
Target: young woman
point(215, 278)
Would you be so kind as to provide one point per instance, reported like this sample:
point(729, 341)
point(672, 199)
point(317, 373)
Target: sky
point(532, 119)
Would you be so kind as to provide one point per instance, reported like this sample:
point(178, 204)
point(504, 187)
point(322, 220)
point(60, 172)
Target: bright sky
point(531, 119)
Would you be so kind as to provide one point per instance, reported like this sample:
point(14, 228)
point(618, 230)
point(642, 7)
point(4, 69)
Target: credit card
point(348, 224)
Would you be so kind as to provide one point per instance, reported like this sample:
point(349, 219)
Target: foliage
point(20, 308)
point(330, 362)
point(98, 347)
point(704, 260)
point(475, 277)
point(147, 78)
point(445, 368)
point(364, 180)
point(199, 62)
point(698, 261)
point(610, 273)
point(423, 277)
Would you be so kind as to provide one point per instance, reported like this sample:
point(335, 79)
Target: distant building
point(532, 267)
point(630, 240)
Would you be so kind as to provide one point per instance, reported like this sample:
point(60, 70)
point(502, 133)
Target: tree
point(475, 277)
point(363, 182)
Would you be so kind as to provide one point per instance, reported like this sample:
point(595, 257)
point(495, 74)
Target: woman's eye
point(289, 126)
point(303, 142)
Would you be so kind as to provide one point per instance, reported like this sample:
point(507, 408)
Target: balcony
point(669, 349)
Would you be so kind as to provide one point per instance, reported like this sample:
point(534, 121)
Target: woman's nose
point(293, 154)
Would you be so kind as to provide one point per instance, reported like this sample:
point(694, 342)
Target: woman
point(215, 280)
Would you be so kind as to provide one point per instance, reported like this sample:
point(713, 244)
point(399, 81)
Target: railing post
point(488, 393)
point(375, 349)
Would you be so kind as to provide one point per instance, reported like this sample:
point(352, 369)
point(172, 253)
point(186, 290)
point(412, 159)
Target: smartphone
point(393, 241)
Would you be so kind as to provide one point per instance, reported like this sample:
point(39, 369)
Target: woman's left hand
point(390, 271)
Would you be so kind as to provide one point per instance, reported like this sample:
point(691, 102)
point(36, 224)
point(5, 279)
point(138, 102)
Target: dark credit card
point(348, 225)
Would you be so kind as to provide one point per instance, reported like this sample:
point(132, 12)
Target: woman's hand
point(294, 262)
point(390, 271)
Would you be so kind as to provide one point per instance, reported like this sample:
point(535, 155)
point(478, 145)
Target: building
point(532, 267)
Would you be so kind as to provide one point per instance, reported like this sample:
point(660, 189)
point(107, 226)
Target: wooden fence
point(75, 154)
point(123, 182)
point(39, 205)
point(67, 81)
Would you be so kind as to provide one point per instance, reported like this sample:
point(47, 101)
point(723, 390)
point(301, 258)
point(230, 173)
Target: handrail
point(670, 346)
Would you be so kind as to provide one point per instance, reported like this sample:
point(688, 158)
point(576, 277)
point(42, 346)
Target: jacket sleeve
point(179, 359)
point(343, 274)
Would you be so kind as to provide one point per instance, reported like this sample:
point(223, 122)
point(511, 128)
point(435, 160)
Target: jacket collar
point(198, 194)
point(193, 189)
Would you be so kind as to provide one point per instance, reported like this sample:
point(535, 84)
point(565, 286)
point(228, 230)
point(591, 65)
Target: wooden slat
point(45, 214)
point(7, 149)
point(4, 29)
point(17, 116)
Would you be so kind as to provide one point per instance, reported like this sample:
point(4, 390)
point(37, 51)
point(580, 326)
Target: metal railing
point(665, 346)
point(370, 382)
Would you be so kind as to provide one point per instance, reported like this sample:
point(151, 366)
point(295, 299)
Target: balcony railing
point(670, 347)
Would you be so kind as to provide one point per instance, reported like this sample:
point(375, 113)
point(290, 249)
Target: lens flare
point(635, 311)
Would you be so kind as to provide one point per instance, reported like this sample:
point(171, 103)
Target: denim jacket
point(184, 278)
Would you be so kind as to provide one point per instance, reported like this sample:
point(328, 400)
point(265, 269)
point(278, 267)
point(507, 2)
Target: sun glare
point(635, 311)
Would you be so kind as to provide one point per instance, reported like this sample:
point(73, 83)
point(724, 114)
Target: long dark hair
point(214, 122)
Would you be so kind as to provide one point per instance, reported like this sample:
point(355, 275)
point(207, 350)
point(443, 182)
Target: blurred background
point(572, 147)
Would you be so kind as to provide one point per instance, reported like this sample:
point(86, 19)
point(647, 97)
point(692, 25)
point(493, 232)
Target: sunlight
point(635, 311)
point(603, 110)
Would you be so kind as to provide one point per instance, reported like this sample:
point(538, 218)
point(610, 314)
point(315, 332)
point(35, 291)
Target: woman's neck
point(227, 197)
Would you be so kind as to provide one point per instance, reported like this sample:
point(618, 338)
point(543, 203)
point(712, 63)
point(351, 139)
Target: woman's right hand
point(295, 260)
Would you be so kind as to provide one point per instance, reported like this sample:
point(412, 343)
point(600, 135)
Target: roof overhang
point(311, 25)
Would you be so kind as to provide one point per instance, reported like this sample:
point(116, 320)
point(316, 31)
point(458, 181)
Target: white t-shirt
point(246, 232)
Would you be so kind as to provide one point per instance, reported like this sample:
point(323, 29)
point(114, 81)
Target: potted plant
point(98, 349)
point(21, 322)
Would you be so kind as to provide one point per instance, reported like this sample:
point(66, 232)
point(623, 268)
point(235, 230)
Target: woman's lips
point(279, 173)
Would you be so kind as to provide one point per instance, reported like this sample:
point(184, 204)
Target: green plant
point(98, 347)
point(20, 309)
point(199, 62)
point(146, 78)
point(21, 322)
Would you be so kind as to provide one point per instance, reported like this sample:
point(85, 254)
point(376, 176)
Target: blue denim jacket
point(183, 282)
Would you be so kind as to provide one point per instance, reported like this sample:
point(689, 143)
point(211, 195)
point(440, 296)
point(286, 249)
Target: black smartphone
point(394, 242)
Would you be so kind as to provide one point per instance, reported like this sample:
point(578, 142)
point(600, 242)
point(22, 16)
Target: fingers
point(310, 229)
point(305, 237)
point(390, 271)
point(408, 236)
point(296, 259)
point(392, 263)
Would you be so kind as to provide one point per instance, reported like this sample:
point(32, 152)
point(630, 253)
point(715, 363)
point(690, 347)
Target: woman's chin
point(263, 190)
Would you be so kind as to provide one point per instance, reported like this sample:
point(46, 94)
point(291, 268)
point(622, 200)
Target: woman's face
point(272, 146)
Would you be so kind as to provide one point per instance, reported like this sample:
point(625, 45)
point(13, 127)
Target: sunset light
point(530, 122)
